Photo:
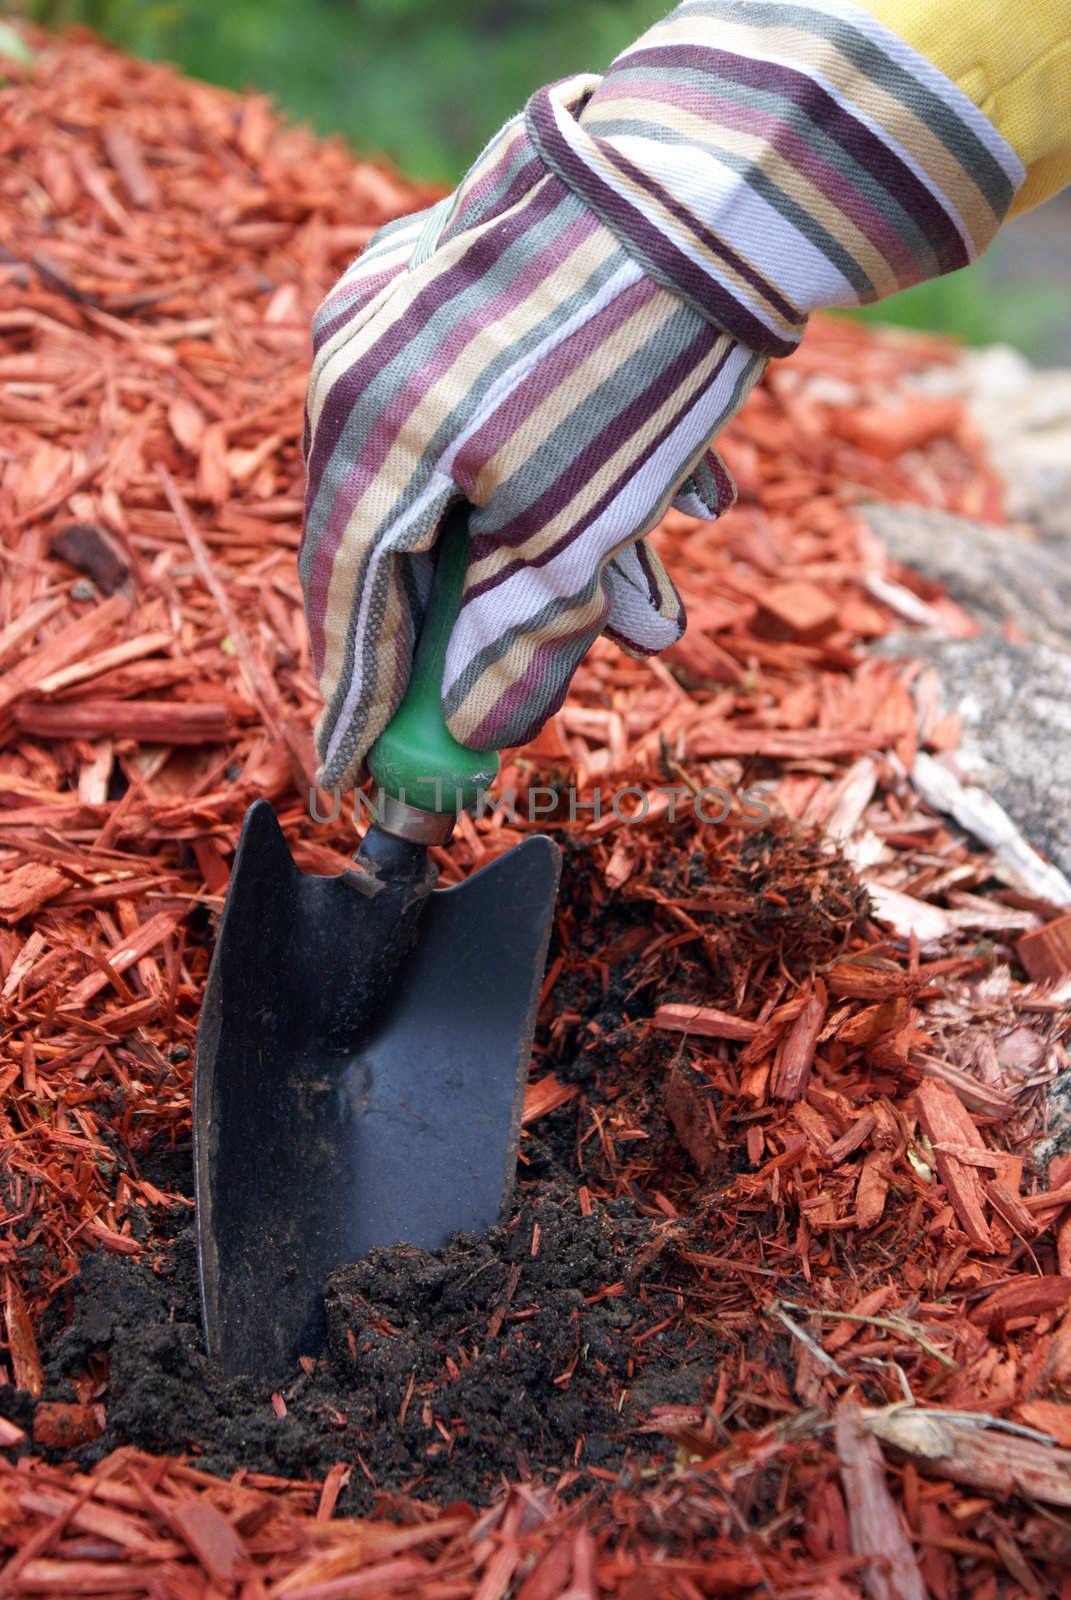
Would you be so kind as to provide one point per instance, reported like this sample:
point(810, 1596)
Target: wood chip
point(1046, 954)
point(703, 1021)
point(946, 1120)
point(29, 888)
point(61, 1426)
point(968, 1452)
point(795, 1055)
point(21, 1340)
point(891, 1572)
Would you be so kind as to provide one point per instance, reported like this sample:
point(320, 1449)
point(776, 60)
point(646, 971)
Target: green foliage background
point(427, 82)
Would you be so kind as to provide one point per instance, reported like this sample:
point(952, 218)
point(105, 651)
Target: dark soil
point(443, 1371)
point(527, 1352)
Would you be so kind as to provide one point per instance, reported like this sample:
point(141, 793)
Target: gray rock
point(1015, 702)
point(1057, 1141)
point(998, 575)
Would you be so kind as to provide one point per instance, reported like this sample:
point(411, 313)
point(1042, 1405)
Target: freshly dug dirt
point(443, 1371)
point(540, 1349)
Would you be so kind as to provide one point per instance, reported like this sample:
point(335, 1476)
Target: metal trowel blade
point(309, 1156)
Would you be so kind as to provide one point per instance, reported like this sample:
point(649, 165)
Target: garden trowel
point(364, 1039)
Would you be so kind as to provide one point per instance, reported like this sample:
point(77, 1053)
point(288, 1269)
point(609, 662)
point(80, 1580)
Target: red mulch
point(855, 1097)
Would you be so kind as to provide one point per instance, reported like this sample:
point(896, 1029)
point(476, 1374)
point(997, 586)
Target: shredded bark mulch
point(782, 1305)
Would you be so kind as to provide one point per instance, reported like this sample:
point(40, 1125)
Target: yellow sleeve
point(1013, 58)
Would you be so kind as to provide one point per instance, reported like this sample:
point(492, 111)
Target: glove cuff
point(765, 158)
point(670, 242)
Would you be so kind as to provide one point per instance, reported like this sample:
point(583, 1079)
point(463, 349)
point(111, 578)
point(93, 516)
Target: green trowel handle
point(416, 758)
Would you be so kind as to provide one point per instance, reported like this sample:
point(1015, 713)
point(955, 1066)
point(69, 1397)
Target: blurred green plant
point(975, 305)
point(13, 46)
point(427, 82)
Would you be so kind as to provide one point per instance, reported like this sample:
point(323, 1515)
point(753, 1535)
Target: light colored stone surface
point(1015, 702)
point(1057, 1141)
point(994, 572)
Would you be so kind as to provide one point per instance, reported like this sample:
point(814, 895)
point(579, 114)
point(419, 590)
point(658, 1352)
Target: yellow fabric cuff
point(1014, 61)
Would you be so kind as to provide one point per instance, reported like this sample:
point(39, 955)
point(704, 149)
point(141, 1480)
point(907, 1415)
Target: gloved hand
point(503, 347)
point(559, 340)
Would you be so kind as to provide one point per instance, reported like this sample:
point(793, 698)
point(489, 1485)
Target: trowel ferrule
point(410, 822)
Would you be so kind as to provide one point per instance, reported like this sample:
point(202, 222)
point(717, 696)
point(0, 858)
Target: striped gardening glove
point(559, 341)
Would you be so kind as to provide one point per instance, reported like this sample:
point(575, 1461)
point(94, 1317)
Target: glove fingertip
point(708, 491)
